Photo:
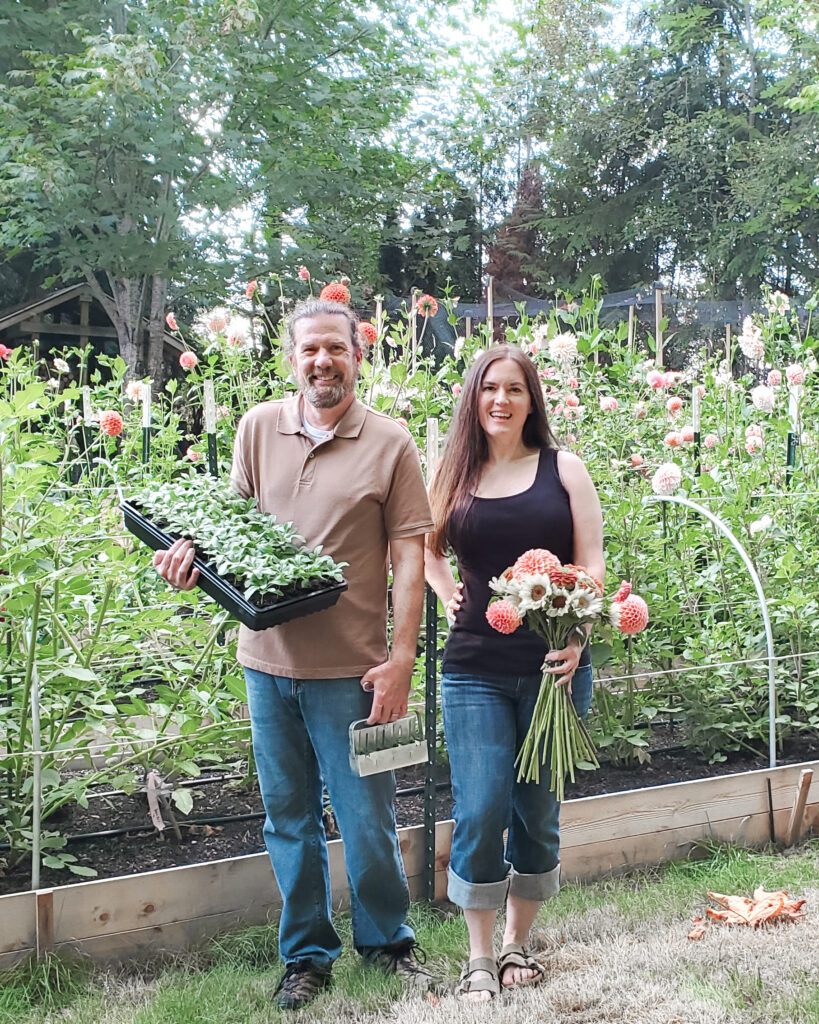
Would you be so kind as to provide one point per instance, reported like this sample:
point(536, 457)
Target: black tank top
point(487, 538)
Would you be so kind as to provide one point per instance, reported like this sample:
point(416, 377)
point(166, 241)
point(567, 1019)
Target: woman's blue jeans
point(300, 737)
point(486, 720)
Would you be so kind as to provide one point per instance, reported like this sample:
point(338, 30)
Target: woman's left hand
point(563, 663)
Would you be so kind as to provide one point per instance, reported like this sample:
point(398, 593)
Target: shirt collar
point(349, 425)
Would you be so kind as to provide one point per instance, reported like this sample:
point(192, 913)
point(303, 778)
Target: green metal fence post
point(431, 691)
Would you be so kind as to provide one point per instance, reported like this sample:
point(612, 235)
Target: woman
point(503, 487)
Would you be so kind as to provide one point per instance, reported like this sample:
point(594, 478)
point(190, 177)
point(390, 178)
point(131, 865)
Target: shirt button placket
point(308, 469)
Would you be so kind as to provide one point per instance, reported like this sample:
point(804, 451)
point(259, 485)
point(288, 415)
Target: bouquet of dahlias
point(557, 602)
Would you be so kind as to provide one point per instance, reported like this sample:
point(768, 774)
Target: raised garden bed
point(605, 834)
point(251, 614)
point(170, 909)
point(226, 820)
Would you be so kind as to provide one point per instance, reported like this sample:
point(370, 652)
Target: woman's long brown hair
point(466, 450)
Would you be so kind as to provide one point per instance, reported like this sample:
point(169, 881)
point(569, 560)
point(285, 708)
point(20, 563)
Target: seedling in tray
point(255, 567)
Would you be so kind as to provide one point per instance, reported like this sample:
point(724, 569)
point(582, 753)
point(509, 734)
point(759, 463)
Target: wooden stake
point(379, 316)
point(490, 308)
point(631, 326)
point(468, 328)
point(658, 325)
point(85, 306)
point(45, 922)
point(414, 329)
point(728, 347)
point(432, 446)
point(794, 830)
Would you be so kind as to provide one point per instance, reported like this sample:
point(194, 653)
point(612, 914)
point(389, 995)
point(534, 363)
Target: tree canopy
point(162, 149)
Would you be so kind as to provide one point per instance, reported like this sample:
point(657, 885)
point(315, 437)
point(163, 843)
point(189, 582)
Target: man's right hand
point(176, 564)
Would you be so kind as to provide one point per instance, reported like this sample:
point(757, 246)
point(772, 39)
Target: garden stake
point(36, 788)
point(146, 421)
point(695, 417)
point(793, 414)
point(413, 334)
point(468, 328)
point(432, 446)
point(490, 309)
point(86, 425)
point(631, 330)
point(658, 326)
point(431, 700)
point(771, 826)
point(210, 427)
point(763, 606)
point(794, 830)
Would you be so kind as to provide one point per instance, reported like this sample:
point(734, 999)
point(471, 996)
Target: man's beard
point(327, 397)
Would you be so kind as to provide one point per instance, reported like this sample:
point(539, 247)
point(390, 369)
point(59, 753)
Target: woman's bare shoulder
point(570, 463)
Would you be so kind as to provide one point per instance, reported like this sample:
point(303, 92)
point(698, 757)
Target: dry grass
point(616, 953)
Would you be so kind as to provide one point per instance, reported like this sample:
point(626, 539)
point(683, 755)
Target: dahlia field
point(129, 676)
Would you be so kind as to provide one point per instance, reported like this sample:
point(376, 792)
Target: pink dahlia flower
point(629, 615)
point(111, 423)
point(503, 616)
point(667, 478)
point(795, 375)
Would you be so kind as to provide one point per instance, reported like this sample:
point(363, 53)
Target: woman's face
point(504, 401)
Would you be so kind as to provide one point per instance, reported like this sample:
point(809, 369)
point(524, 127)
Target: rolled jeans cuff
point(478, 895)
point(535, 887)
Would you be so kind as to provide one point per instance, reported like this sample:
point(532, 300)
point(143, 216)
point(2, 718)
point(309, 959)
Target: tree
point(678, 155)
point(515, 254)
point(132, 131)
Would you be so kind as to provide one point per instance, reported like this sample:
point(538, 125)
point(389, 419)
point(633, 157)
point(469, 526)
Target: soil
point(142, 848)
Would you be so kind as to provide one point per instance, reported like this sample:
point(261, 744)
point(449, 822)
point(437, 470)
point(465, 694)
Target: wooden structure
point(67, 317)
point(115, 918)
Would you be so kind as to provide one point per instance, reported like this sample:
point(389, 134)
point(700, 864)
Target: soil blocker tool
point(382, 748)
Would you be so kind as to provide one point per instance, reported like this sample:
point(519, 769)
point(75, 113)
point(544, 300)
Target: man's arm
point(390, 681)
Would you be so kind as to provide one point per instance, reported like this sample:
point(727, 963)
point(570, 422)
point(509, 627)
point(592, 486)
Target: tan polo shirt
point(351, 494)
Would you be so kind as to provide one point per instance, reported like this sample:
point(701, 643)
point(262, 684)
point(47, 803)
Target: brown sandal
point(514, 955)
point(467, 984)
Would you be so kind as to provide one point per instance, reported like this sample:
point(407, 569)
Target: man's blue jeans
point(486, 720)
point(300, 737)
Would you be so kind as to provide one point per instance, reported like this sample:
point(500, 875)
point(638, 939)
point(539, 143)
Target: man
point(350, 480)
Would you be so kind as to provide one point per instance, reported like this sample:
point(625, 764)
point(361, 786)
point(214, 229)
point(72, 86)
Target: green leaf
point(183, 798)
point(81, 869)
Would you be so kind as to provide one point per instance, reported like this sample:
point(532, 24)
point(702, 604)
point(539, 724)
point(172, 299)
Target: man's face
point(324, 360)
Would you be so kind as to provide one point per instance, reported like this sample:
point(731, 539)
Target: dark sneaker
point(405, 960)
point(300, 984)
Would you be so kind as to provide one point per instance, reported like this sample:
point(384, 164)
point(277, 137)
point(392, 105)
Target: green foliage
point(266, 558)
point(687, 152)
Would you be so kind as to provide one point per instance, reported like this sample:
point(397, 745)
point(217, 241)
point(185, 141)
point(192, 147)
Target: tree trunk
point(156, 332)
point(128, 293)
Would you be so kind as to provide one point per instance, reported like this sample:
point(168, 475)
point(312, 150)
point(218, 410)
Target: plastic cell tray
point(227, 595)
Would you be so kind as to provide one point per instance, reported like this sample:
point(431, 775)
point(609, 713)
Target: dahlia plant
point(267, 559)
point(557, 601)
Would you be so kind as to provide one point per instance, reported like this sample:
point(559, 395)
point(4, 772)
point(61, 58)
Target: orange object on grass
point(763, 907)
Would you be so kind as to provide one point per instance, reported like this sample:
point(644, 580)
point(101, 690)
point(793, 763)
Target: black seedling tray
point(227, 595)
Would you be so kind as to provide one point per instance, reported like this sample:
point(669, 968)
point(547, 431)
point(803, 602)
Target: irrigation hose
point(225, 819)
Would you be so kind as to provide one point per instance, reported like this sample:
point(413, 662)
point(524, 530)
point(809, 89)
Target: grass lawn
point(616, 952)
